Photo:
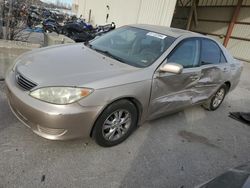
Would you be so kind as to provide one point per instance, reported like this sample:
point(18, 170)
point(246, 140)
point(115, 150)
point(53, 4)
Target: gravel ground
point(181, 150)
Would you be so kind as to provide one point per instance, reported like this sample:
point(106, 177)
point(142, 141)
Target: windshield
point(133, 46)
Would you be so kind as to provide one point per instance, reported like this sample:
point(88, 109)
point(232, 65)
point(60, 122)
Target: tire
point(115, 124)
point(212, 104)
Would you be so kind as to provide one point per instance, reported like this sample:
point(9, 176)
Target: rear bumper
point(55, 122)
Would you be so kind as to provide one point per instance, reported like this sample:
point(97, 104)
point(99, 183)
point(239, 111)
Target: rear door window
point(211, 53)
point(222, 58)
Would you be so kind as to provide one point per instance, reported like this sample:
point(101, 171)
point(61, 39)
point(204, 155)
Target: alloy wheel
point(219, 96)
point(116, 125)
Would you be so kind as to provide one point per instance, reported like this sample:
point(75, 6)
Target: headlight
point(61, 95)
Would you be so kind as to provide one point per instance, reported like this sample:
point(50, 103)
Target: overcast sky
point(53, 1)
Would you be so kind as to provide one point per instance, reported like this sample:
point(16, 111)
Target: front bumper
point(55, 122)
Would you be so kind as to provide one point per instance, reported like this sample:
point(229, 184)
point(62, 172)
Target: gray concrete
point(181, 150)
point(30, 37)
point(55, 39)
point(9, 50)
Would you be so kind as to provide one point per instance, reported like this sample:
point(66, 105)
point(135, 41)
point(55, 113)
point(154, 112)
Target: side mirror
point(171, 68)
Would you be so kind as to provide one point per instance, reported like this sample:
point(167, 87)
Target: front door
point(171, 92)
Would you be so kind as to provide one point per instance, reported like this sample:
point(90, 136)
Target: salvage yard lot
point(180, 150)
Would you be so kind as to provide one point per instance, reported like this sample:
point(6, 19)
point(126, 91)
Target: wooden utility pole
point(1, 17)
point(232, 23)
point(192, 13)
point(9, 18)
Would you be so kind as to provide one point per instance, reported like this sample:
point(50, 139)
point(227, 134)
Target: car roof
point(169, 31)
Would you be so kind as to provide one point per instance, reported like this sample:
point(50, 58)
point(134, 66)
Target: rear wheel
point(116, 123)
point(215, 101)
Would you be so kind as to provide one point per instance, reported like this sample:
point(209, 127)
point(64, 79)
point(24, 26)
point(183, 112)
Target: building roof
point(169, 31)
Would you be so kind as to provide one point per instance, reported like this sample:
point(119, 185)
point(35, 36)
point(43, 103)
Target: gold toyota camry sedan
point(107, 87)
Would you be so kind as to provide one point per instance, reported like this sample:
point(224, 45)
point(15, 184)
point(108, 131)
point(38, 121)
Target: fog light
point(50, 131)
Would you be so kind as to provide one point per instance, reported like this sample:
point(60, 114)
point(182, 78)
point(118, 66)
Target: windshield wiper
point(86, 43)
point(107, 53)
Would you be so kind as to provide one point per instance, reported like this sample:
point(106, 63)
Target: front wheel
point(215, 101)
point(116, 123)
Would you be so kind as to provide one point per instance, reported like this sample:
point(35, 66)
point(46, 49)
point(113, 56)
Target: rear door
point(214, 70)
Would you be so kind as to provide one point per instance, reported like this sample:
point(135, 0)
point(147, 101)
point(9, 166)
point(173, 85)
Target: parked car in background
point(109, 86)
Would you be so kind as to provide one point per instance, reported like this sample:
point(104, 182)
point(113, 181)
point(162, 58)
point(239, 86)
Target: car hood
point(70, 65)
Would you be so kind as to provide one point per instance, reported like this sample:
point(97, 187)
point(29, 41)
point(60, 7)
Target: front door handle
point(225, 69)
point(194, 77)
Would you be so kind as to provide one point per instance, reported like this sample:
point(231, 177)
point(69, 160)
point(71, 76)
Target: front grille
point(24, 83)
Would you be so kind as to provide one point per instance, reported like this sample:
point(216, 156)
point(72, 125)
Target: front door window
point(186, 53)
